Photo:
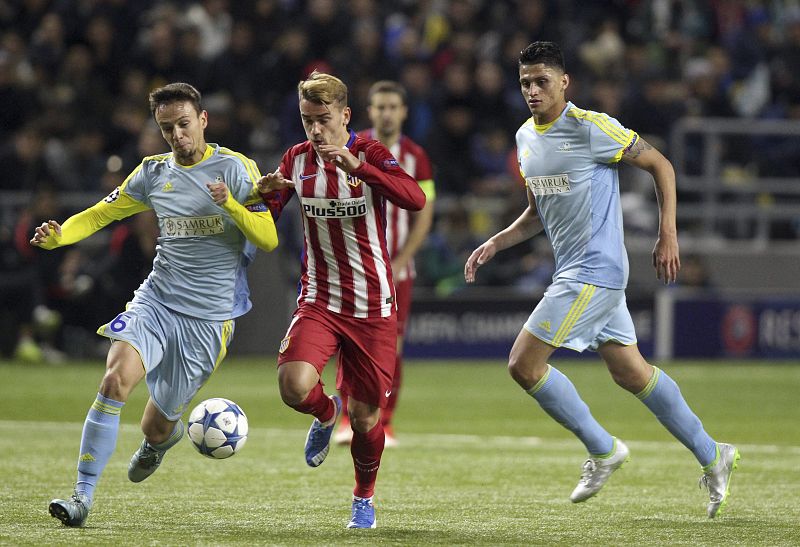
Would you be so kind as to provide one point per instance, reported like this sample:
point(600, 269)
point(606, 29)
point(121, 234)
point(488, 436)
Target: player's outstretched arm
point(118, 205)
point(274, 182)
point(255, 221)
point(276, 191)
point(666, 255)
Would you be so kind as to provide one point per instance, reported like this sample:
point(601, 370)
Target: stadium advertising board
point(730, 326)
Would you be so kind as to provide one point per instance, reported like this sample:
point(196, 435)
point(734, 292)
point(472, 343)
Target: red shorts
point(402, 291)
point(366, 350)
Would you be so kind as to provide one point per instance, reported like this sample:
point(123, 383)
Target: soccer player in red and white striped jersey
point(405, 231)
point(347, 299)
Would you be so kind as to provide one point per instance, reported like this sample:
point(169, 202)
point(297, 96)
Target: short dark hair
point(387, 86)
point(546, 53)
point(175, 92)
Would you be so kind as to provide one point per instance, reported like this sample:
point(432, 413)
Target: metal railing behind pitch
point(726, 177)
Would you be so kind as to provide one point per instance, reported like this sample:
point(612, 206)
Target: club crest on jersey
point(353, 181)
point(547, 185)
point(334, 208)
point(113, 196)
point(284, 344)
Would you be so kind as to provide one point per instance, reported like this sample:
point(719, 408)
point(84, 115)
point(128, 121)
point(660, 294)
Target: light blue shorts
point(179, 352)
point(578, 316)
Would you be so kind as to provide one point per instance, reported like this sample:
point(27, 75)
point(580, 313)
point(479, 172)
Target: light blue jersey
point(201, 255)
point(570, 167)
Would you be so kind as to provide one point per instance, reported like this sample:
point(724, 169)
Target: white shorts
point(179, 352)
point(578, 316)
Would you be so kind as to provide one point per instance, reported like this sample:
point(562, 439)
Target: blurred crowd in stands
point(75, 74)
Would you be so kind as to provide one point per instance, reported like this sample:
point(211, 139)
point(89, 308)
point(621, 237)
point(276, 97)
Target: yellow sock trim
point(105, 408)
point(609, 453)
point(540, 383)
point(651, 385)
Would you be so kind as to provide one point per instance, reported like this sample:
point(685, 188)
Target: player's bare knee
point(115, 386)
point(523, 371)
point(292, 391)
point(633, 379)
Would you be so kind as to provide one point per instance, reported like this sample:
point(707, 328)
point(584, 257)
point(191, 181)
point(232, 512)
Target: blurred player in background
point(405, 231)
point(177, 328)
point(347, 302)
point(568, 158)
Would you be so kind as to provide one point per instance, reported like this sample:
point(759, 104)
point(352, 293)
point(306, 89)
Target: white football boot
point(596, 472)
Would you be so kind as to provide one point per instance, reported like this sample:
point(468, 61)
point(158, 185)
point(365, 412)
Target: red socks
point(366, 449)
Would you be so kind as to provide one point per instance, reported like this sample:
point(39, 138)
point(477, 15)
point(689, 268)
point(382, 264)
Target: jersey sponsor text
point(335, 208)
point(553, 184)
point(193, 226)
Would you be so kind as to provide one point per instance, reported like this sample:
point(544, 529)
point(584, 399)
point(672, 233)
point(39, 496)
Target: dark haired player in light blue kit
point(176, 330)
point(569, 159)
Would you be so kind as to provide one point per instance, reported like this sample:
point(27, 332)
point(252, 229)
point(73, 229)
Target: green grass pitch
point(478, 463)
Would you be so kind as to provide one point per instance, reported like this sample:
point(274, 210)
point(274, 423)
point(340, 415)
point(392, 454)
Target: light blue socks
point(664, 399)
point(98, 441)
point(558, 397)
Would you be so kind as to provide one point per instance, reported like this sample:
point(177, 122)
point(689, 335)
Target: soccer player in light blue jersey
point(176, 330)
point(569, 159)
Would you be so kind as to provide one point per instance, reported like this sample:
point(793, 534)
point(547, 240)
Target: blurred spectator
point(22, 161)
point(214, 25)
point(440, 262)
point(16, 103)
point(452, 138)
point(28, 324)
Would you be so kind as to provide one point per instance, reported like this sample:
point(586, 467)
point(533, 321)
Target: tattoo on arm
point(636, 147)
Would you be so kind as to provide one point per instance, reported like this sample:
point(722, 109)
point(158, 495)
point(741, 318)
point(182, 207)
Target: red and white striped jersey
point(415, 162)
point(346, 264)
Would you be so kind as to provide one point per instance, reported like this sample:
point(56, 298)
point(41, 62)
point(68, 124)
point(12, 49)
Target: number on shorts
point(118, 323)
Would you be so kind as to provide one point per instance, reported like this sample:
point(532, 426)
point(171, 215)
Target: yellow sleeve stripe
point(249, 165)
point(157, 157)
point(625, 146)
point(428, 187)
point(574, 314)
point(622, 136)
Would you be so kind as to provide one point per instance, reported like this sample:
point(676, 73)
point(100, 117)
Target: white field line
point(435, 439)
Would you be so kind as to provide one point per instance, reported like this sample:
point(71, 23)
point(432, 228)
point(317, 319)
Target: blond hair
point(323, 88)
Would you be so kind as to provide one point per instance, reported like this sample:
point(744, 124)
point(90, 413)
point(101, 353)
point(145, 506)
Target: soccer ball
point(218, 428)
